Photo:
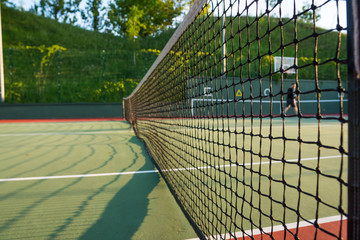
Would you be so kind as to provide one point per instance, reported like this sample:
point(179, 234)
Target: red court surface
point(326, 231)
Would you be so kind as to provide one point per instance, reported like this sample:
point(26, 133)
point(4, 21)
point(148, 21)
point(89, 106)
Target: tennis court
point(91, 180)
point(82, 180)
point(248, 128)
point(254, 174)
point(212, 113)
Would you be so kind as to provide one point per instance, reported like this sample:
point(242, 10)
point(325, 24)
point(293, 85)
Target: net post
point(353, 10)
point(131, 115)
point(124, 109)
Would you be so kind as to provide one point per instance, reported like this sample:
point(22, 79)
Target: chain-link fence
point(58, 75)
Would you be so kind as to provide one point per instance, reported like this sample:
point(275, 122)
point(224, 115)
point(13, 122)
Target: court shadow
point(126, 211)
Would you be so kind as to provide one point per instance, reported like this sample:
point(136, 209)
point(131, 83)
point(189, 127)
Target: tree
point(55, 8)
point(133, 26)
point(7, 3)
point(272, 3)
point(41, 7)
point(70, 9)
point(203, 12)
point(92, 14)
point(64, 10)
point(308, 15)
point(156, 15)
point(4, 1)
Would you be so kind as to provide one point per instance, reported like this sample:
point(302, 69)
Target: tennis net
point(245, 115)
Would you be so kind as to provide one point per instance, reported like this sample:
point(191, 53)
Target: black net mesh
point(245, 115)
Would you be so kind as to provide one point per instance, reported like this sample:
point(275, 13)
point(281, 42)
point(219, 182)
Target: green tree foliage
point(114, 91)
point(272, 3)
point(133, 27)
point(55, 8)
point(60, 10)
point(308, 14)
point(6, 3)
point(41, 7)
point(92, 14)
point(134, 24)
point(3, 1)
point(155, 15)
point(71, 8)
point(205, 10)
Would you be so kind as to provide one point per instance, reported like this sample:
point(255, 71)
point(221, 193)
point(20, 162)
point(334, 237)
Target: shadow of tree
point(126, 211)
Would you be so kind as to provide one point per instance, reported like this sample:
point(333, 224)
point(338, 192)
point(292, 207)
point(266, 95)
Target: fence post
point(353, 44)
point(59, 69)
point(11, 65)
point(11, 68)
point(103, 58)
point(146, 52)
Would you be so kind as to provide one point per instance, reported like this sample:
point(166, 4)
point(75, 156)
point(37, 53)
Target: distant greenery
point(253, 43)
point(46, 61)
point(154, 16)
point(148, 17)
point(49, 62)
point(25, 28)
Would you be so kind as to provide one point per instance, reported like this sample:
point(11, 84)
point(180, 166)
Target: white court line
point(63, 133)
point(248, 127)
point(278, 228)
point(248, 164)
point(154, 171)
point(76, 176)
point(131, 131)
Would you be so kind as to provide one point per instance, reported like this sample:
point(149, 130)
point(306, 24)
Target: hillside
point(46, 61)
point(36, 49)
point(25, 28)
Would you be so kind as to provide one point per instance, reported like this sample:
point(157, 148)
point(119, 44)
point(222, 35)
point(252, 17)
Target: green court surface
point(95, 180)
point(244, 186)
point(52, 184)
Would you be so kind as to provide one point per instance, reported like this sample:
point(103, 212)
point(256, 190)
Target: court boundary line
point(77, 176)
point(131, 131)
point(64, 133)
point(128, 131)
point(157, 171)
point(248, 164)
point(61, 120)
